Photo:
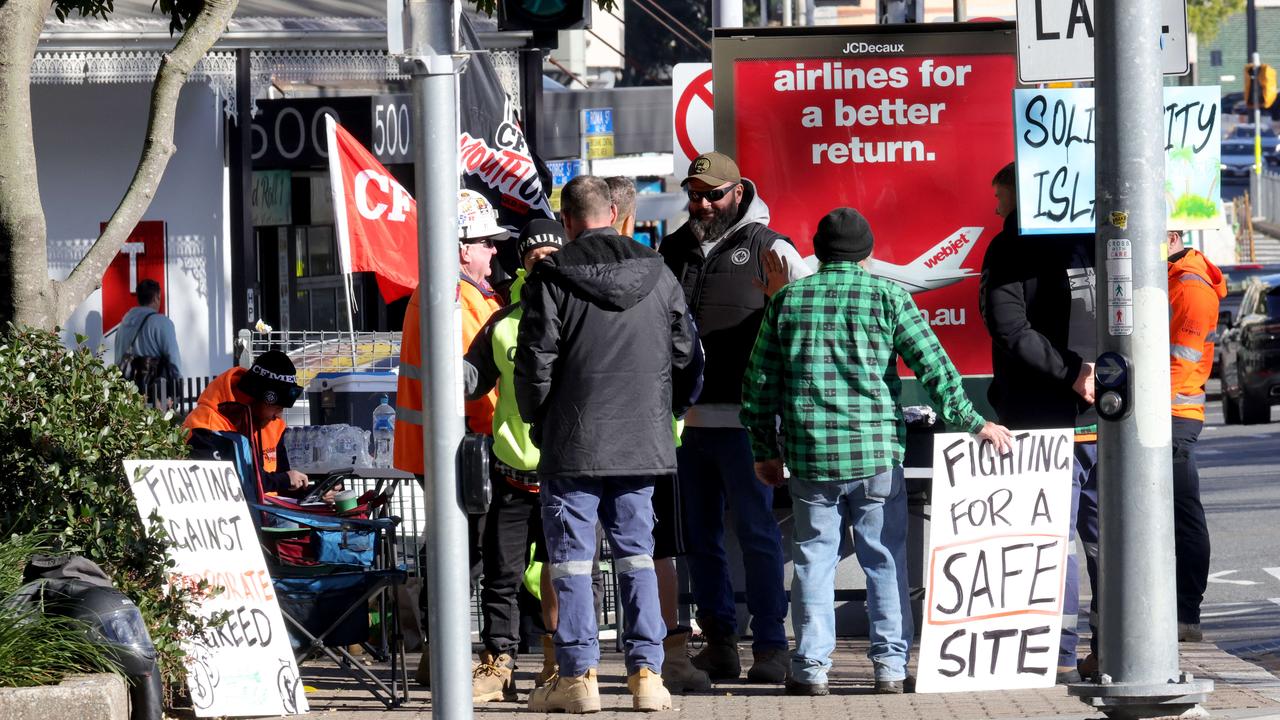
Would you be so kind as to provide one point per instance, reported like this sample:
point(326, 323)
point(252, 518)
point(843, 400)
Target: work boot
point(1190, 632)
point(579, 694)
point(719, 657)
point(678, 674)
point(1088, 668)
point(423, 674)
point(647, 691)
point(769, 666)
point(491, 679)
point(548, 661)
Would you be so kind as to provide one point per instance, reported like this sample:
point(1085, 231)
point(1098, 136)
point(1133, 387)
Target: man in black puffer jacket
point(601, 365)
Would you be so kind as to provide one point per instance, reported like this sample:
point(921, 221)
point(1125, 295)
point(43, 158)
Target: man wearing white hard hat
point(478, 230)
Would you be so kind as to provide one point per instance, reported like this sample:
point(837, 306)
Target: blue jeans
point(624, 506)
point(716, 467)
point(1084, 522)
point(877, 509)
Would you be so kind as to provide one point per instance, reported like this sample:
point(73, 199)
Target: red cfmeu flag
point(377, 219)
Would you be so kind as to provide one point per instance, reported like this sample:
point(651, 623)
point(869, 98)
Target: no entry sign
point(692, 106)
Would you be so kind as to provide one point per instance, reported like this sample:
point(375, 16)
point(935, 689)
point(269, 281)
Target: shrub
point(67, 420)
point(35, 649)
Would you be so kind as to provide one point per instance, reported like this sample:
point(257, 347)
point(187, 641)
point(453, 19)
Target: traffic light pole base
point(1133, 701)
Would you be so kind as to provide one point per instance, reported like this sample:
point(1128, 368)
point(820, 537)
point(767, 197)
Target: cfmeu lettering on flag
point(997, 562)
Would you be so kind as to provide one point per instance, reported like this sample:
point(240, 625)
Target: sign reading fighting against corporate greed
point(998, 548)
point(244, 666)
point(1055, 136)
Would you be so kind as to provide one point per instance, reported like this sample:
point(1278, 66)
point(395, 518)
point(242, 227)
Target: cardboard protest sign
point(1055, 136)
point(910, 139)
point(245, 666)
point(998, 549)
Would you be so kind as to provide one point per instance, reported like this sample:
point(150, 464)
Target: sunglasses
point(710, 195)
point(487, 242)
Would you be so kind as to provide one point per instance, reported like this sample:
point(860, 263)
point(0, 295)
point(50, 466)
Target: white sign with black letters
point(1055, 39)
point(998, 547)
point(245, 666)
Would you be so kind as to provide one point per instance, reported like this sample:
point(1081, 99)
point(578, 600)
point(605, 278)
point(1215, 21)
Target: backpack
point(146, 371)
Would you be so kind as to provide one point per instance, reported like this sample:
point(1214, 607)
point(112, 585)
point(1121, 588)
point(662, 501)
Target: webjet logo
point(948, 250)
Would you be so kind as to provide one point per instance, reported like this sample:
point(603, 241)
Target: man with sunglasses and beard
point(728, 262)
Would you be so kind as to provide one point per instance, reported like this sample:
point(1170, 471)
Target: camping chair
point(327, 568)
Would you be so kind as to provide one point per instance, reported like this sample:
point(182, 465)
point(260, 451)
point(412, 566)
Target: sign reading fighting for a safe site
point(1055, 39)
point(244, 666)
point(998, 549)
point(909, 138)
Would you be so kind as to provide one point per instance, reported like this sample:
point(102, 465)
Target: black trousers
point(513, 522)
point(1191, 532)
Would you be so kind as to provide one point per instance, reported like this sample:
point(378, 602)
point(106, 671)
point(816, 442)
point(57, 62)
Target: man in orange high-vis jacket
point(1195, 287)
point(251, 402)
point(478, 230)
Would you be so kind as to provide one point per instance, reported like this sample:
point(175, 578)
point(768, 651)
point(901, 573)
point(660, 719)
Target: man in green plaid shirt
point(826, 363)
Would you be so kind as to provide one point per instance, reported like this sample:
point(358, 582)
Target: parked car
point(1237, 150)
point(1237, 277)
point(1251, 355)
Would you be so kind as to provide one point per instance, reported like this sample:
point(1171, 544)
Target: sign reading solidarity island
point(1055, 132)
point(998, 553)
point(244, 666)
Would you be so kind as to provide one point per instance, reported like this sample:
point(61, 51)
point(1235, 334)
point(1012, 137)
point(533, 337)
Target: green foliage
point(34, 649)
point(1204, 17)
point(67, 421)
point(180, 12)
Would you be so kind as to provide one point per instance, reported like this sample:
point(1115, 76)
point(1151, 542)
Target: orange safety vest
point(223, 396)
point(1195, 287)
point(478, 303)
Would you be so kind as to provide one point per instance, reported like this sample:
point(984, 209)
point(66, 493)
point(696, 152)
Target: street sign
point(692, 119)
point(562, 171)
point(1055, 39)
point(597, 133)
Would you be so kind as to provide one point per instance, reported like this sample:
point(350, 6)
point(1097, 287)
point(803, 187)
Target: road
point(1240, 488)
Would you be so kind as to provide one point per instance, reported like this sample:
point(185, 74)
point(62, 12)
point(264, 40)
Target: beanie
point(272, 379)
point(843, 235)
point(541, 233)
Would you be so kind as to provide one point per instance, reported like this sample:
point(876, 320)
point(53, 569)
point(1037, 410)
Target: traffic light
point(1267, 85)
point(544, 14)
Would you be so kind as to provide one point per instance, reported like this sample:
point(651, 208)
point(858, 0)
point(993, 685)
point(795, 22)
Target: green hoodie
point(490, 356)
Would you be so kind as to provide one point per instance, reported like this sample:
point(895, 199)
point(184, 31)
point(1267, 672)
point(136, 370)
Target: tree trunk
point(34, 299)
point(26, 294)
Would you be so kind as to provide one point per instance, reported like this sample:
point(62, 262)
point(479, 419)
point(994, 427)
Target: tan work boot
point(769, 666)
point(647, 691)
point(678, 674)
point(548, 662)
point(579, 694)
point(491, 679)
point(423, 674)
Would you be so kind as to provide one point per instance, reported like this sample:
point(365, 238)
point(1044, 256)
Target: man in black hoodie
point(1037, 300)
point(600, 367)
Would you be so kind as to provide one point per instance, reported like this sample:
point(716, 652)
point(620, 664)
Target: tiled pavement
point(1244, 690)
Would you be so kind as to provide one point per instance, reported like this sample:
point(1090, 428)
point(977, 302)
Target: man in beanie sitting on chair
point(826, 363)
point(251, 402)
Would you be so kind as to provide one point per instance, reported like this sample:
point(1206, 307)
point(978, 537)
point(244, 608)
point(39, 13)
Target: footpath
point(1242, 690)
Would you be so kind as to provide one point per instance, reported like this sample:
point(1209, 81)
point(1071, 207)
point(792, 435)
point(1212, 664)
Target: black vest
point(723, 300)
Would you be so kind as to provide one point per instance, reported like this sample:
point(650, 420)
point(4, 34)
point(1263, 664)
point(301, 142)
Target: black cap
point(272, 379)
point(843, 235)
point(541, 233)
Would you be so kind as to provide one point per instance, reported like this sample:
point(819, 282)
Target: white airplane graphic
point(937, 267)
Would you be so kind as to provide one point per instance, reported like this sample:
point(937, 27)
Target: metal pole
point(435, 134)
point(244, 257)
point(959, 10)
point(763, 20)
point(1255, 99)
point(788, 13)
point(726, 13)
point(1138, 648)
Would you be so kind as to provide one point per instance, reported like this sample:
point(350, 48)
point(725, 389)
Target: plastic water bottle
point(384, 433)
